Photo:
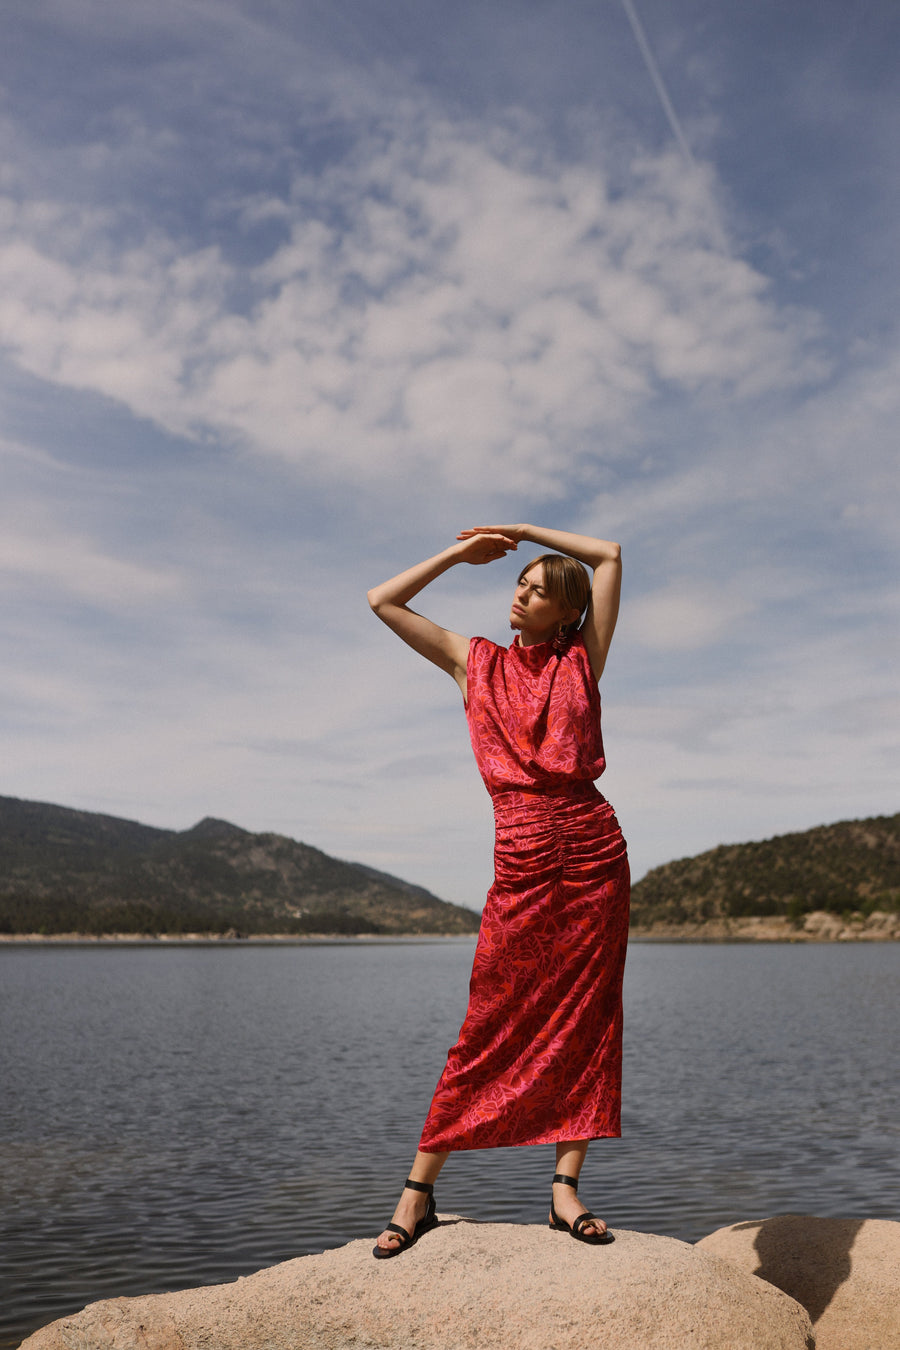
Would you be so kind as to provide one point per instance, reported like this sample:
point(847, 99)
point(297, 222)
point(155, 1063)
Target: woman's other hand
point(514, 532)
point(484, 545)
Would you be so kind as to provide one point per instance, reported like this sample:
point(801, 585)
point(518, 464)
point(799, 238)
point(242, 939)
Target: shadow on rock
point(805, 1259)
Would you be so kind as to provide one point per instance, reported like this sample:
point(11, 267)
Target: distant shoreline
point(819, 926)
point(219, 939)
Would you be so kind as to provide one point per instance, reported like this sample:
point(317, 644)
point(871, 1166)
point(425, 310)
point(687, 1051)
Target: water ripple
point(187, 1115)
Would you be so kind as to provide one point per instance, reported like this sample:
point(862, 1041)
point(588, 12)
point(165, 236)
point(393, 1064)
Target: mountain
point(850, 867)
point(70, 871)
point(77, 871)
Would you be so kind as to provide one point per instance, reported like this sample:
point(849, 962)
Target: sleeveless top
point(533, 715)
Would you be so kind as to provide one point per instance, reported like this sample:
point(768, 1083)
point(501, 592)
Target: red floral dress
point(539, 1055)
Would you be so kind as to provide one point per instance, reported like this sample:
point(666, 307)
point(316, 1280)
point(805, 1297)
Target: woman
point(539, 1054)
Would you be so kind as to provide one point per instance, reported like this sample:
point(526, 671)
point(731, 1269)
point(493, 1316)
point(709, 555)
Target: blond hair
point(565, 580)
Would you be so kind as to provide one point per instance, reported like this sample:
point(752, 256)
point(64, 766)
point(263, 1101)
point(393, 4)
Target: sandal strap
point(566, 1181)
point(423, 1186)
point(583, 1220)
point(401, 1232)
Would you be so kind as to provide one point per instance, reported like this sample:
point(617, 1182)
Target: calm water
point(178, 1116)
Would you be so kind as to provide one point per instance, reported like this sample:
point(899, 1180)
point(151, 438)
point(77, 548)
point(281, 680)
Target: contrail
point(657, 79)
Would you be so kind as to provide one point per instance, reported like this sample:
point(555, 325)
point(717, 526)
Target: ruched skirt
point(539, 1055)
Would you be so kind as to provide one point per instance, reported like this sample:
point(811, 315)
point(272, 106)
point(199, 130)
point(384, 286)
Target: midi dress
point(539, 1054)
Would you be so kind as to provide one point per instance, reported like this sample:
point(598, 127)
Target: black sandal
point(428, 1221)
point(577, 1228)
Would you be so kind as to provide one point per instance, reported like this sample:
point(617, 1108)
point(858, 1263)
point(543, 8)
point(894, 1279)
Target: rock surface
point(845, 1272)
point(464, 1286)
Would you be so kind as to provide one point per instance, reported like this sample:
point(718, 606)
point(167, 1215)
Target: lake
point(182, 1115)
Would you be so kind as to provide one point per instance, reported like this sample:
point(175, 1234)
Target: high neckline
point(520, 645)
point(538, 651)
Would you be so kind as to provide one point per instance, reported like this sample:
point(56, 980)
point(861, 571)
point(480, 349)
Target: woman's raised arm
point(390, 601)
point(605, 560)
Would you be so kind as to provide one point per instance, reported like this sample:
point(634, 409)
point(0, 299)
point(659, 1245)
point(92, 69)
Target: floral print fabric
point(539, 1055)
point(534, 715)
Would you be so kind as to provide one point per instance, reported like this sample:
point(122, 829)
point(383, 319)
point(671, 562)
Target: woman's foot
point(411, 1210)
point(568, 1208)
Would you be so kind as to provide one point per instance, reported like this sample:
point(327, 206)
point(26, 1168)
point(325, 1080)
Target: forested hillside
point(852, 866)
point(76, 871)
point(67, 871)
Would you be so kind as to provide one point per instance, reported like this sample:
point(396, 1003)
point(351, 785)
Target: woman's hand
point(484, 545)
point(514, 532)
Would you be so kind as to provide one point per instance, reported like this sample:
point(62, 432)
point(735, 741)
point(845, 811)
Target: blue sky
point(291, 292)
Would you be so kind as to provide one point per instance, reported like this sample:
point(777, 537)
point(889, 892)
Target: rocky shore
point(787, 1283)
point(819, 926)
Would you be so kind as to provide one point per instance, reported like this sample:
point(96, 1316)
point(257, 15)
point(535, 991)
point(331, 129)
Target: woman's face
point(534, 612)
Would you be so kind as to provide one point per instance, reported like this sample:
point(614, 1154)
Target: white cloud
point(41, 554)
point(802, 734)
point(441, 299)
point(76, 566)
point(684, 615)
